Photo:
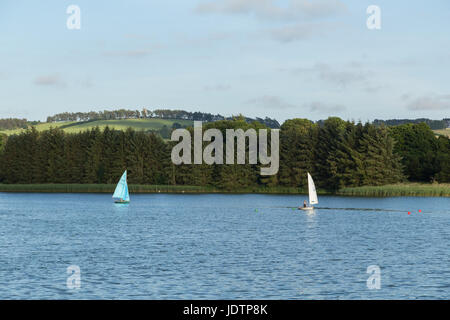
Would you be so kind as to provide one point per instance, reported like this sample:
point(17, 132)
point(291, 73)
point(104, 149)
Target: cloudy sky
point(282, 59)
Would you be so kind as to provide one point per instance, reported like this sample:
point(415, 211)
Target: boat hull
point(122, 202)
point(306, 208)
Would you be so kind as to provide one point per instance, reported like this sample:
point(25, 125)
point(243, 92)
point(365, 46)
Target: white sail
point(312, 191)
point(121, 192)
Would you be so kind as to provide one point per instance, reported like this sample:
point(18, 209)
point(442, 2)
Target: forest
point(337, 153)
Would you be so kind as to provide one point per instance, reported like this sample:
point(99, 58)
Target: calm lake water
point(164, 246)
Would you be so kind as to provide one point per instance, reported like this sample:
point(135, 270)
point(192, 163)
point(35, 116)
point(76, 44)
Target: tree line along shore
point(400, 189)
point(344, 158)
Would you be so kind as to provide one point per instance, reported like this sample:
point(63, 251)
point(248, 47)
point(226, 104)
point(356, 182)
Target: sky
point(278, 58)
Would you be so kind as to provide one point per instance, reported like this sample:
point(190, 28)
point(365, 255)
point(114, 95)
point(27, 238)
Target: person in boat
point(305, 204)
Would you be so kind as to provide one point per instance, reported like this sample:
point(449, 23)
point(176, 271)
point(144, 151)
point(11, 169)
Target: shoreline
point(397, 190)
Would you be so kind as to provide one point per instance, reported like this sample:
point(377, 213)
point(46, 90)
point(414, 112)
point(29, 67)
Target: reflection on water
point(222, 246)
point(121, 207)
point(310, 217)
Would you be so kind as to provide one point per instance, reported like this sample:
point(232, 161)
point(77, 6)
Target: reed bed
point(409, 189)
point(397, 190)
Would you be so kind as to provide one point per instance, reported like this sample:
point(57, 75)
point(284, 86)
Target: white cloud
point(218, 87)
point(324, 108)
point(317, 9)
point(269, 9)
point(296, 16)
point(352, 74)
point(295, 32)
point(129, 53)
point(342, 77)
point(270, 102)
point(260, 8)
point(430, 102)
point(87, 82)
point(50, 80)
point(206, 40)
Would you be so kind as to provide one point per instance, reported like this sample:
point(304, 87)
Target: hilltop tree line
point(13, 123)
point(146, 114)
point(337, 153)
point(433, 124)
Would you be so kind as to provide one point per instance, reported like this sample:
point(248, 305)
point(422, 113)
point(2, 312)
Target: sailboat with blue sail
point(121, 194)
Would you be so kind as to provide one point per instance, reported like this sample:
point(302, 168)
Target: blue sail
point(121, 192)
point(126, 194)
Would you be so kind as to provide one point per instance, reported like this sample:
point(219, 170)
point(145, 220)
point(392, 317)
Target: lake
point(169, 246)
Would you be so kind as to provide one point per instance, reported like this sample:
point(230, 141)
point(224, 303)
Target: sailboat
point(121, 194)
point(312, 194)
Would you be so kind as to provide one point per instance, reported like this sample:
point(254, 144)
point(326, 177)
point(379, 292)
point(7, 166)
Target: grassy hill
point(445, 132)
point(136, 124)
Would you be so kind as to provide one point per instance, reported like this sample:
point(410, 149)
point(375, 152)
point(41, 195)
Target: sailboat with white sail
point(312, 195)
point(121, 194)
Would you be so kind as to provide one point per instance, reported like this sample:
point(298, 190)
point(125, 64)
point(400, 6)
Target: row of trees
point(424, 157)
point(94, 115)
point(337, 153)
point(433, 124)
point(94, 156)
point(144, 114)
point(13, 123)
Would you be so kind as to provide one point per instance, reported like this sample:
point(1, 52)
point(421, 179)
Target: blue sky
point(282, 59)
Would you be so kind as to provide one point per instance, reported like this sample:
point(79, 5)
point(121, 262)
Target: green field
point(39, 127)
point(444, 132)
point(136, 124)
